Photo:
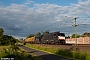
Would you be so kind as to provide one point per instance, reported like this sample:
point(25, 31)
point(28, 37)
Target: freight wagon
point(29, 40)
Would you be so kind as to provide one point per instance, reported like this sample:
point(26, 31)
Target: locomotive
point(50, 38)
point(53, 38)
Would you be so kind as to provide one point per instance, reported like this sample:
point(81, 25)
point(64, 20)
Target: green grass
point(2, 52)
point(19, 54)
point(76, 55)
point(1, 47)
point(33, 55)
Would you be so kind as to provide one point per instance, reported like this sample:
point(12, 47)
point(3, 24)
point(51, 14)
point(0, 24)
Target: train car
point(53, 38)
point(30, 40)
point(37, 39)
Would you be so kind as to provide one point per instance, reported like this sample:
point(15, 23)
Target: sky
point(20, 18)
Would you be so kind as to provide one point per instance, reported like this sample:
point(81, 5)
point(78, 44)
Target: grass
point(2, 53)
point(19, 54)
point(76, 55)
point(1, 47)
point(33, 55)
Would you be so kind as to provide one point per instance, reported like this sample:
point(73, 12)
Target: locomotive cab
point(61, 38)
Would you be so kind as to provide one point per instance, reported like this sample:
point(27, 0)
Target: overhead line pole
point(75, 31)
point(75, 25)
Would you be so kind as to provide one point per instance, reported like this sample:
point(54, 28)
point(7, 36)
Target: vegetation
point(16, 53)
point(1, 33)
point(38, 34)
point(86, 34)
point(7, 40)
point(76, 55)
point(9, 49)
point(46, 32)
point(75, 36)
point(31, 35)
point(2, 53)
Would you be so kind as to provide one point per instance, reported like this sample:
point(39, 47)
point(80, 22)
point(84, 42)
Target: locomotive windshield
point(61, 34)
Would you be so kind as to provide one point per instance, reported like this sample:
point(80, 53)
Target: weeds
point(63, 52)
point(16, 53)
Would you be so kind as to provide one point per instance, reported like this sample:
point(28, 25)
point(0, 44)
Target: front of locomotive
point(61, 38)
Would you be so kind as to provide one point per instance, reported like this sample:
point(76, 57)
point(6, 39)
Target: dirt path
point(43, 55)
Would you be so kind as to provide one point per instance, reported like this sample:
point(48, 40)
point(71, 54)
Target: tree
point(46, 32)
point(31, 35)
point(1, 33)
point(67, 37)
point(38, 34)
point(86, 34)
point(75, 36)
point(7, 40)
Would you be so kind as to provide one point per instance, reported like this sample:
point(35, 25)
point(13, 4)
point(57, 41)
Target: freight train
point(51, 38)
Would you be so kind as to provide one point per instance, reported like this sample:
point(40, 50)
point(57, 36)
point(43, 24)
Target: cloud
point(20, 19)
point(28, 2)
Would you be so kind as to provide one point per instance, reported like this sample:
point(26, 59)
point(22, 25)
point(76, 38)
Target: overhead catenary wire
point(75, 25)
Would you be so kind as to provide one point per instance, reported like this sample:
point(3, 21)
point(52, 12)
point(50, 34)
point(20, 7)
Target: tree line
point(6, 39)
point(38, 34)
point(86, 34)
